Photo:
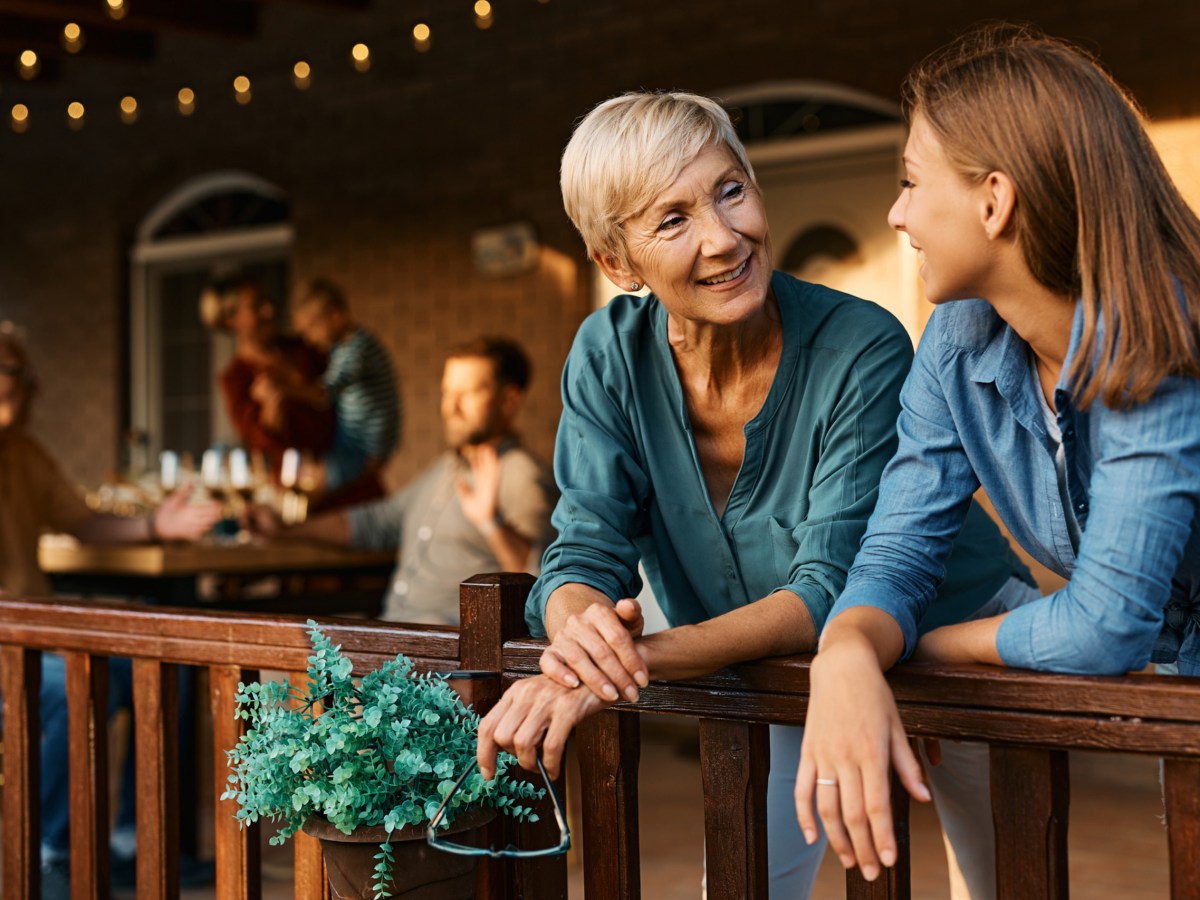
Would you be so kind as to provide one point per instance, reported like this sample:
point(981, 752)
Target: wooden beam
point(18, 33)
point(219, 17)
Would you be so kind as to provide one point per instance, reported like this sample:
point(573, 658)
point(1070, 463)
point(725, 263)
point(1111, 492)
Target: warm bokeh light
point(72, 37)
point(483, 9)
point(75, 114)
point(302, 75)
point(27, 64)
point(20, 118)
point(117, 9)
point(421, 32)
point(129, 110)
point(241, 84)
point(187, 101)
point(361, 55)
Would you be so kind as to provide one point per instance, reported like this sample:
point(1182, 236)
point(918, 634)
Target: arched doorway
point(213, 223)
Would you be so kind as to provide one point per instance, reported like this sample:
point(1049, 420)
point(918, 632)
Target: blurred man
point(482, 506)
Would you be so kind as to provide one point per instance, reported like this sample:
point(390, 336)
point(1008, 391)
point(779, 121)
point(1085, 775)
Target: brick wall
point(389, 172)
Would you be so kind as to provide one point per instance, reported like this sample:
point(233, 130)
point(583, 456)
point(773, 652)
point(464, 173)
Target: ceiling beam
point(18, 33)
point(219, 17)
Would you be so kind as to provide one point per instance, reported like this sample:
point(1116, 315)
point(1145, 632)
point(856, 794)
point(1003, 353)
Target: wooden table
point(314, 578)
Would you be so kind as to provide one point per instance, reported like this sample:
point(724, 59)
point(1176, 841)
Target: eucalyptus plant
point(384, 750)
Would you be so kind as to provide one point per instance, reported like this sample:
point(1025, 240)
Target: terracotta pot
point(421, 872)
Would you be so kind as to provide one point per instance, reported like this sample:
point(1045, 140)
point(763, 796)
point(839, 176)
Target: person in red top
point(259, 384)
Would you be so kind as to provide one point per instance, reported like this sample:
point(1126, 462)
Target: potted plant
point(367, 760)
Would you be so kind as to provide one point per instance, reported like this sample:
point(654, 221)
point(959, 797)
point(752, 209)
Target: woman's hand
point(596, 647)
point(852, 737)
point(177, 519)
point(534, 713)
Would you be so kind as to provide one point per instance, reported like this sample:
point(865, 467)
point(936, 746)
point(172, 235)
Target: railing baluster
point(87, 717)
point(1181, 790)
point(734, 761)
point(311, 882)
point(1030, 796)
point(239, 861)
point(893, 883)
point(156, 726)
point(20, 687)
point(492, 611)
point(609, 752)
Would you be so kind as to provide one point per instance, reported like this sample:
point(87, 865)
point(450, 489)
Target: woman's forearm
point(966, 642)
point(777, 625)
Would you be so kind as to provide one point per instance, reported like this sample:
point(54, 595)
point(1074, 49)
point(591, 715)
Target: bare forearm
point(777, 625)
point(108, 529)
point(864, 628)
point(510, 548)
point(331, 528)
point(966, 642)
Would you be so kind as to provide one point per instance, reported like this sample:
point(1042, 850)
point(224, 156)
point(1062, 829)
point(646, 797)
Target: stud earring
point(634, 286)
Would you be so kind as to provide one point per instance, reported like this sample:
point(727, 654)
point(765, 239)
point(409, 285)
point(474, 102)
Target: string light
point(302, 75)
point(241, 89)
point(28, 64)
point(129, 110)
point(361, 55)
point(483, 14)
point(187, 101)
point(75, 113)
point(116, 9)
point(20, 118)
point(72, 37)
point(422, 37)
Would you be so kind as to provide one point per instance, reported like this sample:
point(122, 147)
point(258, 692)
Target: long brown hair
point(1097, 216)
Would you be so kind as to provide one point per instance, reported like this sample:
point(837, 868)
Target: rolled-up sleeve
point(924, 496)
point(604, 490)
point(859, 439)
point(1144, 502)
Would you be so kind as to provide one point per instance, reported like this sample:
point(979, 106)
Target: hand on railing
point(535, 713)
point(596, 647)
point(852, 737)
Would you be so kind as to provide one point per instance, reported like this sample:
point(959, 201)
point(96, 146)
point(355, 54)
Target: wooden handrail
point(1030, 719)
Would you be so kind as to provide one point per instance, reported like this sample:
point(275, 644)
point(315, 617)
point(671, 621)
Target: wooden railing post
point(20, 687)
point(609, 754)
point(492, 612)
point(1181, 791)
point(156, 727)
point(1030, 796)
point(735, 758)
point(893, 883)
point(87, 716)
point(239, 862)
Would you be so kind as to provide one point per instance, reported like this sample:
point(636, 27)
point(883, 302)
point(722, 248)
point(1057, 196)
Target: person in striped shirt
point(361, 386)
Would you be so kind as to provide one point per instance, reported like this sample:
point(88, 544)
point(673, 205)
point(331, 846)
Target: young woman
point(1060, 372)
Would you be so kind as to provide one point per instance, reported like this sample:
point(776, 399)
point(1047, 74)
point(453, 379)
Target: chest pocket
point(783, 548)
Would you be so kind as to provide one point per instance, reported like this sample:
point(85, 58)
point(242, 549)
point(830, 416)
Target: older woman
point(727, 431)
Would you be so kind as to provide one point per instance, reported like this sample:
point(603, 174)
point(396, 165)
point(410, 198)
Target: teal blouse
point(632, 487)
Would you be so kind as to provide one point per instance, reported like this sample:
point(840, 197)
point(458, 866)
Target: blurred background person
point(482, 506)
point(36, 497)
point(361, 387)
point(261, 383)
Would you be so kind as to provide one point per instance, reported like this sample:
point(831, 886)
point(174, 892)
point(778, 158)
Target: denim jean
point(55, 789)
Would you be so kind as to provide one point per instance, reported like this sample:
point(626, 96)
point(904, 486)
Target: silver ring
point(828, 782)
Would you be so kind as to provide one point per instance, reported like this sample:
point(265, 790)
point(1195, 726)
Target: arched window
point(217, 222)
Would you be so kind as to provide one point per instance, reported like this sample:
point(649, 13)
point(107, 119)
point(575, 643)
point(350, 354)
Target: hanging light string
point(73, 39)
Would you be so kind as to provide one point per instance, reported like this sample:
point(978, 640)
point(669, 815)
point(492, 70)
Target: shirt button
point(400, 587)
point(424, 533)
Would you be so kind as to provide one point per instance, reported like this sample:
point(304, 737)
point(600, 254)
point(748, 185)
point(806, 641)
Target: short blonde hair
point(627, 151)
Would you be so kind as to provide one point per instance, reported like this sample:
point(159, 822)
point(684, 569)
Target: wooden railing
point(1031, 721)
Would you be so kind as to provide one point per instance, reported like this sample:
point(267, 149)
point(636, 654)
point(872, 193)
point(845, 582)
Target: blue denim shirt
point(633, 490)
point(970, 416)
